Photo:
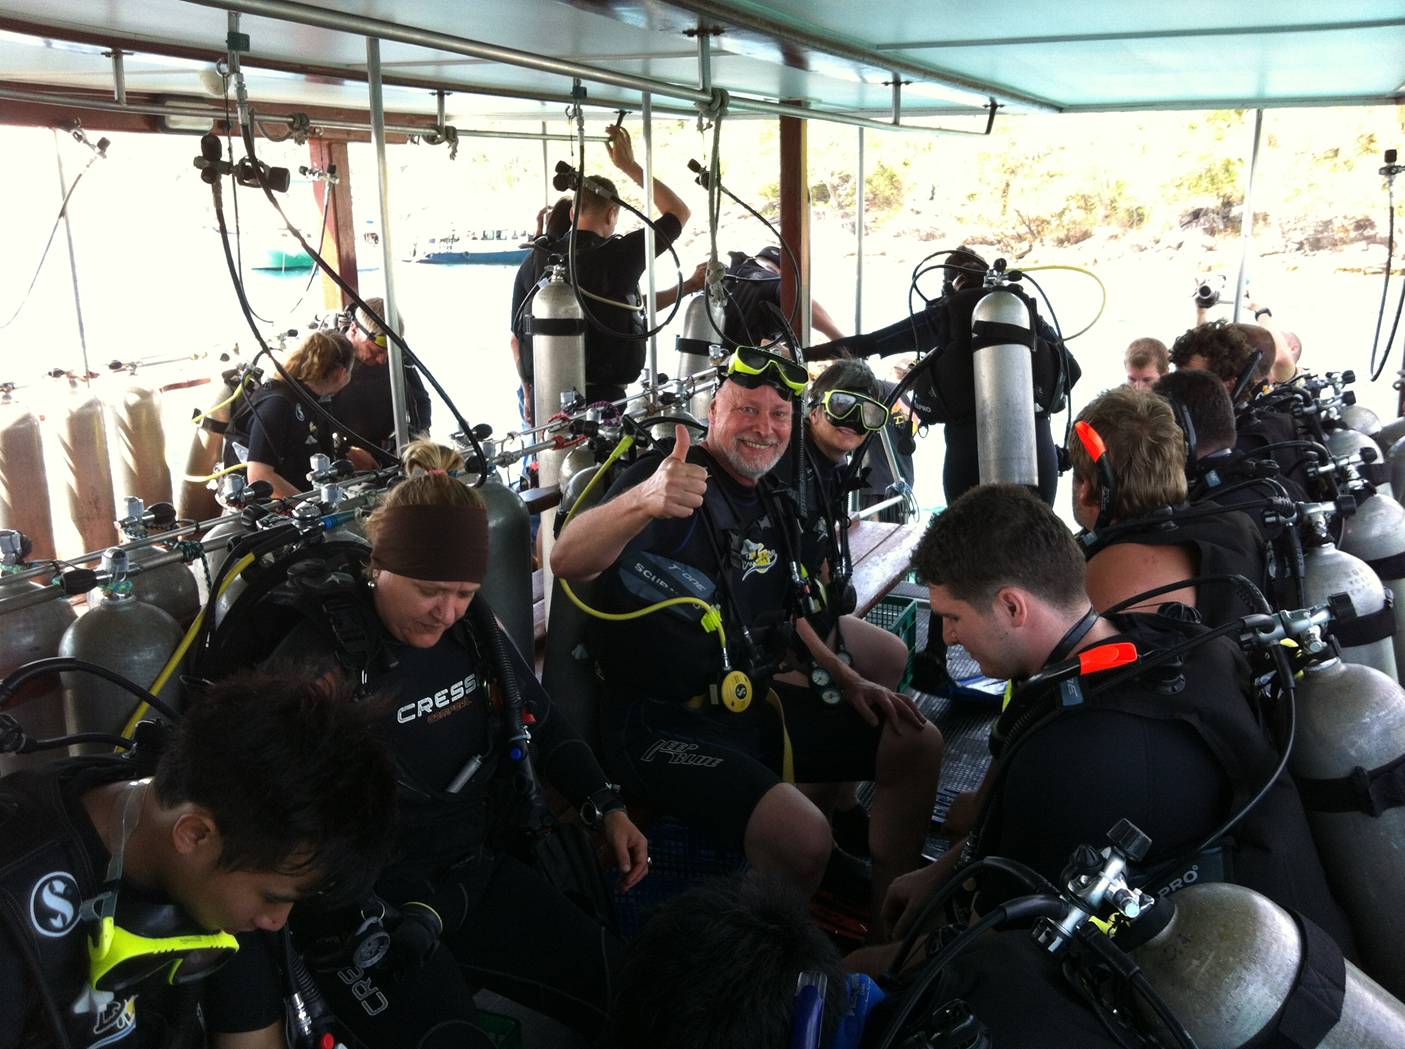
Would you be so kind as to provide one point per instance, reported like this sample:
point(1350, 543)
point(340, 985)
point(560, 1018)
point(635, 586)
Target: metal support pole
point(72, 260)
point(546, 172)
point(704, 59)
point(396, 364)
point(119, 78)
point(439, 106)
point(897, 99)
point(858, 241)
point(1246, 221)
point(649, 247)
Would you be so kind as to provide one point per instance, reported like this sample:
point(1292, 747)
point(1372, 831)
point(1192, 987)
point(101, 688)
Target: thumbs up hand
point(677, 487)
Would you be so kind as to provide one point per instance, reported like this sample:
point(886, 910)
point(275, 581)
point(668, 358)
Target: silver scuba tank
point(1395, 463)
point(1389, 433)
point(1343, 443)
point(1329, 574)
point(1004, 375)
point(1352, 718)
point(125, 634)
point(700, 343)
point(558, 376)
point(1361, 419)
point(26, 634)
point(508, 583)
point(24, 479)
point(1227, 961)
point(170, 587)
point(1376, 534)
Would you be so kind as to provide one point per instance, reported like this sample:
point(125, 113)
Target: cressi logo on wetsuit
point(445, 699)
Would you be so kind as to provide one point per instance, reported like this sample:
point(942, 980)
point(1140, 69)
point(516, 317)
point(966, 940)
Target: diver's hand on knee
point(877, 704)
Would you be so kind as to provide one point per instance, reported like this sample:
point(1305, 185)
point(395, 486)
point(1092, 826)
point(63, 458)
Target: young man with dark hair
point(1140, 543)
point(268, 791)
point(717, 968)
point(1175, 751)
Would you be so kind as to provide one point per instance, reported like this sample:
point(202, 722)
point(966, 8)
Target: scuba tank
point(142, 468)
point(1388, 434)
point(1376, 534)
point(89, 483)
point(30, 633)
point(558, 381)
point(24, 481)
point(1361, 419)
point(1334, 578)
point(508, 583)
point(701, 343)
point(196, 502)
point(1395, 463)
point(1004, 386)
point(124, 634)
point(1351, 722)
point(1347, 443)
point(170, 587)
point(1227, 960)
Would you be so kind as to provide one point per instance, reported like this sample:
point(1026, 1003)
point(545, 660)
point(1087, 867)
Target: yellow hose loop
point(1076, 269)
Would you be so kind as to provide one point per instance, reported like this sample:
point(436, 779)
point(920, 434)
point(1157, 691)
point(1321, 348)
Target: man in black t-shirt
point(608, 266)
point(364, 405)
point(706, 524)
point(268, 790)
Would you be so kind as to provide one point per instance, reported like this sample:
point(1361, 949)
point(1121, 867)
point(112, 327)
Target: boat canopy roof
point(857, 61)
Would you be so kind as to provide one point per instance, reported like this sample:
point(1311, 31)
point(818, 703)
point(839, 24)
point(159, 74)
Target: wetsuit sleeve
point(244, 994)
point(18, 997)
point(271, 431)
point(625, 255)
point(563, 757)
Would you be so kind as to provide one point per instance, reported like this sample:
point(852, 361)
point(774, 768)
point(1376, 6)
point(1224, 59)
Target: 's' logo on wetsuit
point(756, 558)
point(54, 903)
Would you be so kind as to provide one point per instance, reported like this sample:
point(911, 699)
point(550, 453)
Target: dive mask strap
point(126, 816)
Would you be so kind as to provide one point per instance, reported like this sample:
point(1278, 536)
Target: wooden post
point(338, 245)
point(795, 220)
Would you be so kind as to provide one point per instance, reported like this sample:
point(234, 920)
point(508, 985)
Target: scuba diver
point(469, 728)
point(122, 880)
point(364, 406)
point(721, 743)
point(843, 406)
point(753, 314)
point(273, 431)
point(1139, 531)
point(1175, 747)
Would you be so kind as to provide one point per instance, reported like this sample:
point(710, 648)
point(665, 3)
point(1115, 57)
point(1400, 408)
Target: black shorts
point(711, 767)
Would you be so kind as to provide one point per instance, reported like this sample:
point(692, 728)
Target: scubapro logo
point(54, 903)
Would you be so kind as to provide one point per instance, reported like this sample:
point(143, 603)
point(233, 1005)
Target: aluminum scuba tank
point(1389, 433)
point(558, 368)
point(1361, 419)
point(142, 469)
point(1343, 443)
point(579, 460)
point(701, 343)
point(1395, 463)
point(1227, 960)
point(1352, 718)
point(195, 501)
point(1331, 573)
point(508, 583)
point(1004, 377)
point(28, 634)
point(123, 633)
point(24, 481)
point(171, 587)
point(575, 488)
point(89, 482)
point(1376, 534)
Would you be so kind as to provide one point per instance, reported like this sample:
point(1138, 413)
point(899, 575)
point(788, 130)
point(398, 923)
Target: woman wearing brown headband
point(450, 680)
point(274, 431)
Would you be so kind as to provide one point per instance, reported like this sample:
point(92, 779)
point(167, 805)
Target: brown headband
point(447, 544)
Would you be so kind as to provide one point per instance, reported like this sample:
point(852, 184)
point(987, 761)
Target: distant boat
point(486, 247)
point(279, 254)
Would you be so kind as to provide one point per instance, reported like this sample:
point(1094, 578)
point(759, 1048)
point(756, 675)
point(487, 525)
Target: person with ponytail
point(274, 430)
point(453, 700)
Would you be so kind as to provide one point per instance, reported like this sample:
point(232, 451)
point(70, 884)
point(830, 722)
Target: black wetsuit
point(273, 426)
point(1223, 543)
point(1175, 750)
point(506, 927)
point(51, 860)
point(363, 405)
point(748, 321)
point(610, 268)
point(665, 737)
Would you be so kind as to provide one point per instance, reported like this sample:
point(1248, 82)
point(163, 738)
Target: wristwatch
point(600, 804)
point(1262, 313)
